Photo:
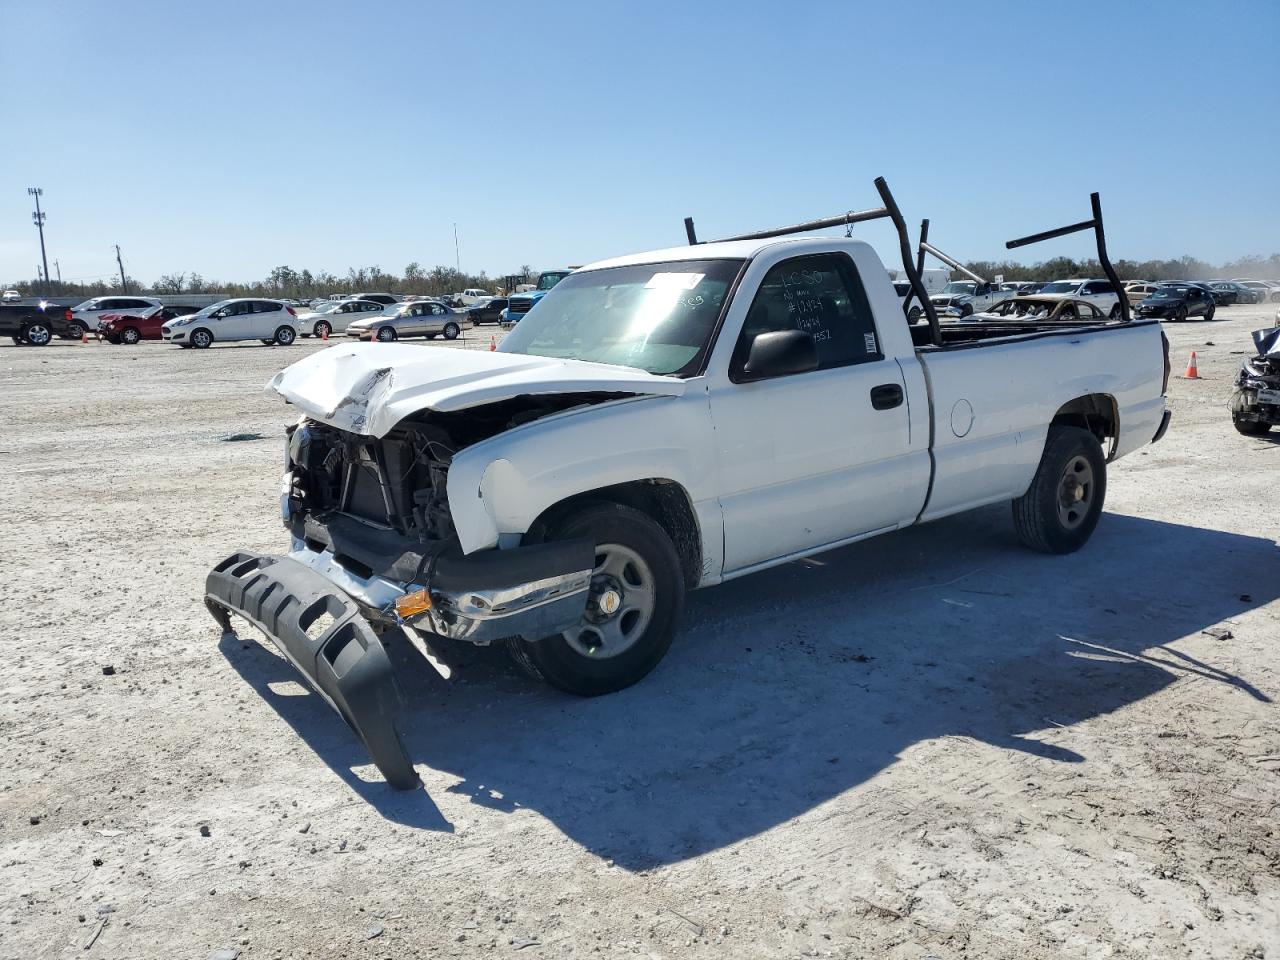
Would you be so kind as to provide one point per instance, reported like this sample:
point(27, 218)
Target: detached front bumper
point(319, 606)
point(322, 633)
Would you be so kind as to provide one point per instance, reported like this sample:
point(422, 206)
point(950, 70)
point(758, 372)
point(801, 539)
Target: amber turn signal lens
point(412, 604)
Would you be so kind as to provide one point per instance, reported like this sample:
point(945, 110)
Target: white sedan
point(333, 317)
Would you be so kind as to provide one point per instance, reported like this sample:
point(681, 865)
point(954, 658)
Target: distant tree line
point(303, 284)
point(289, 283)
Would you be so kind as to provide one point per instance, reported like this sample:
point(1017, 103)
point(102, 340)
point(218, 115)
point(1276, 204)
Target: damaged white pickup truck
point(658, 423)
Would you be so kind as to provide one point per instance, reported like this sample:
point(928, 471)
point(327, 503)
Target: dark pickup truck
point(34, 323)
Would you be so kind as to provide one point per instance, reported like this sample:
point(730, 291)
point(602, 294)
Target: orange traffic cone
point(1192, 373)
point(84, 335)
point(493, 344)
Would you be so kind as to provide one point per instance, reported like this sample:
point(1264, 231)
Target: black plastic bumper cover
point(321, 632)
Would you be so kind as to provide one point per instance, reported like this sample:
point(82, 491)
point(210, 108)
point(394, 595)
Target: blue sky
point(233, 137)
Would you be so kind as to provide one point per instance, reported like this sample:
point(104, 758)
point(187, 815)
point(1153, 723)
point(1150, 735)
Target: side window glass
point(822, 296)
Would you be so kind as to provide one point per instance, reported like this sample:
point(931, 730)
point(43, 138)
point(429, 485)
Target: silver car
point(425, 318)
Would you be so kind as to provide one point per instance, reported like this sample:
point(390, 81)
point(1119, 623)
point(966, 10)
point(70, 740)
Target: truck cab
point(521, 303)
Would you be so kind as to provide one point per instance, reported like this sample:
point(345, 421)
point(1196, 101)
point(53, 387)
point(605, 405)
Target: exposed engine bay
point(1255, 402)
point(399, 482)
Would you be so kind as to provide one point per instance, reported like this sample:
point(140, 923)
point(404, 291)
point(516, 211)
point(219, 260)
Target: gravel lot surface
point(933, 743)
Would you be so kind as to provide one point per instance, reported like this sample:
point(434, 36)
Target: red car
point(130, 328)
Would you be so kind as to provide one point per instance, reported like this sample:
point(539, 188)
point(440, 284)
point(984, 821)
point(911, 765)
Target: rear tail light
point(292, 312)
point(68, 316)
point(1168, 366)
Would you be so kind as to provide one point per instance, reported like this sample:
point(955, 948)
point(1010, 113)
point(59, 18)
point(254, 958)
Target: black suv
point(490, 312)
point(1177, 302)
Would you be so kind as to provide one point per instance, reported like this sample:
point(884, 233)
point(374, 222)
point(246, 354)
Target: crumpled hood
point(368, 388)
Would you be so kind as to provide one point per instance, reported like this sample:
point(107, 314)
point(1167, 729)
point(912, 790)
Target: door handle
point(886, 396)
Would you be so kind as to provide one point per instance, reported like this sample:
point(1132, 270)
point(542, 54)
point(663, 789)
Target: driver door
point(815, 458)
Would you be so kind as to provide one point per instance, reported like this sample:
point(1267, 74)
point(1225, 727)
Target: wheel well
point(1095, 412)
point(663, 500)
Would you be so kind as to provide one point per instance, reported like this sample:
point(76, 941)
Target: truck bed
point(961, 335)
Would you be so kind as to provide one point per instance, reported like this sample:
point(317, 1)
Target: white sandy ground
point(933, 743)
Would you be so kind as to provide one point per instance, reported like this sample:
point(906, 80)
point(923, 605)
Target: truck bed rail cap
point(368, 388)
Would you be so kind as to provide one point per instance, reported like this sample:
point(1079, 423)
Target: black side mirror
point(779, 354)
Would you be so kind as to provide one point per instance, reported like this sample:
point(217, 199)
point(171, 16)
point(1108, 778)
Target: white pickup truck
point(662, 422)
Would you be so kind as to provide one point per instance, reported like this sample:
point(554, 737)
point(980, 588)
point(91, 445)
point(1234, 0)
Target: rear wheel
point(201, 339)
point(322, 329)
point(285, 335)
point(76, 330)
point(37, 334)
point(636, 594)
point(1059, 511)
point(451, 331)
point(130, 335)
point(386, 334)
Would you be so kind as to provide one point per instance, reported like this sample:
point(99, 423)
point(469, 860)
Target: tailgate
point(321, 632)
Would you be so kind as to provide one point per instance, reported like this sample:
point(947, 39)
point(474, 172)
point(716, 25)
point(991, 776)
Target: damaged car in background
point(1255, 401)
point(663, 422)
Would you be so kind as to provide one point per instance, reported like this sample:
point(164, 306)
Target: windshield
point(548, 280)
point(960, 286)
point(657, 317)
point(1169, 293)
point(212, 307)
point(1060, 286)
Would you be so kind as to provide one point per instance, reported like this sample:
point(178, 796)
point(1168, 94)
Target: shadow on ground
point(788, 687)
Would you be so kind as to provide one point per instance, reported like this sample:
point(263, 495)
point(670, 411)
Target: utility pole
point(124, 285)
point(457, 258)
point(38, 219)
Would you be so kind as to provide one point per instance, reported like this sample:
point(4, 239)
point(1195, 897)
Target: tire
point(1275, 298)
point(430, 336)
point(1210, 312)
point(201, 339)
point(1115, 313)
point(285, 335)
point(130, 335)
point(75, 330)
point(1250, 428)
point(386, 334)
point(16, 339)
point(1059, 511)
point(914, 315)
point(322, 329)
point(451, 331)
point(966, 311)
point(633, 552)
point(1180, 314)
point(37, 334)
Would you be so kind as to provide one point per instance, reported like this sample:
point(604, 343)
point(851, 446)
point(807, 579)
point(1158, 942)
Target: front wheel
point(1180, 314)
point(966, 311)
point(1250, 428)
point(386, 334)
point(285, 335)
point(1115, 313)
point(202, 339)
point(130, 335)
point(451, 331)
point(636, 594)
point(1059, 511)
point(1209, 314)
